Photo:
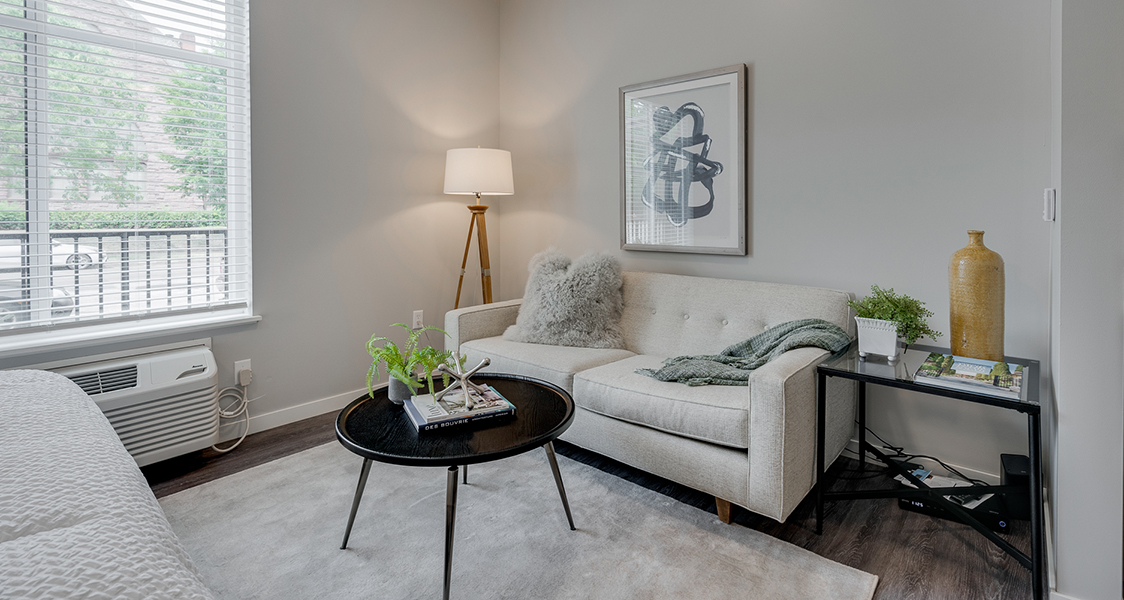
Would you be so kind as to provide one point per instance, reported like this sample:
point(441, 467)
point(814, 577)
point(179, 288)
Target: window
point(124, 164)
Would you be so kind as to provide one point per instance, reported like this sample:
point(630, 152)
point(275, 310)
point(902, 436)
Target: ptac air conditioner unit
point(162, 404)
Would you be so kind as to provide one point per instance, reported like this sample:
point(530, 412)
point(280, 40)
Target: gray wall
point(354, 105)
point(881, 132)
point(1087, 333)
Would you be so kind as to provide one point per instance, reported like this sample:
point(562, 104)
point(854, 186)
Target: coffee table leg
point(355, 503)
point(450, 518)
point(558, 480)
point(464, 479)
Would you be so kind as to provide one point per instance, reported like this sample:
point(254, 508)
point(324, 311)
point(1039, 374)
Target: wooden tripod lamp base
point(482, 245)
point(475, 172)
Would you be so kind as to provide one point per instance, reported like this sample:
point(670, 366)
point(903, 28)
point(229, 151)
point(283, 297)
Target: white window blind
point(124, 162)
point(643, 225)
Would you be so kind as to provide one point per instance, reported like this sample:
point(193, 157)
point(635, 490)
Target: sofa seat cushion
point(555, 364)
point(713, 413)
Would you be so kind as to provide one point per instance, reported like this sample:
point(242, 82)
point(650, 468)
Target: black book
point(989, 512)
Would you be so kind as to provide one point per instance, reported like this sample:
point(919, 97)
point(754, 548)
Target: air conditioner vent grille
point(164, 422)
point(102, 382)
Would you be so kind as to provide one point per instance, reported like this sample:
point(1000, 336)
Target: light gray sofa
point(750, 446)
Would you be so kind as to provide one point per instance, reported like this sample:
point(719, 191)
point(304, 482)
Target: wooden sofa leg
point(725, 510)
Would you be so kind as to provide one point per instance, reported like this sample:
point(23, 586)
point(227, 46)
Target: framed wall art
point(683, 167)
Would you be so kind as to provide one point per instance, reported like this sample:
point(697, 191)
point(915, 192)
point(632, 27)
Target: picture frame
point(683, 163)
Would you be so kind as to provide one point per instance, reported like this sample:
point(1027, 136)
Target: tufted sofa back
point(671, 315)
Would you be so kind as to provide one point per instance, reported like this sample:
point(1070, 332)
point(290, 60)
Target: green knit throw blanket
point(734, 364)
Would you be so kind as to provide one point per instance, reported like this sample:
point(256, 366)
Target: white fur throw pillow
point(571, 304)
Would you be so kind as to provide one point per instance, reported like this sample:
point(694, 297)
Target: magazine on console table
point(999, 379)
point(427, 414)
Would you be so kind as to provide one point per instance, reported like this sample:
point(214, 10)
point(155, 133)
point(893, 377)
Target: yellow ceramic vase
point(975, 294)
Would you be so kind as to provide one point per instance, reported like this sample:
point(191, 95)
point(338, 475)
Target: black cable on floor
point(899, 452)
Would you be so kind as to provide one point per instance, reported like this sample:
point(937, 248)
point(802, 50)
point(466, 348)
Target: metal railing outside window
point(116, 273)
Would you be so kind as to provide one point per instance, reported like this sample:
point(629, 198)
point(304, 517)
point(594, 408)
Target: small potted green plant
point(404, 364)
point(883, 317)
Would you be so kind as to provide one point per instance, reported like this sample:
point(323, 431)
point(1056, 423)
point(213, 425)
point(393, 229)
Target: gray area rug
point(274, 531)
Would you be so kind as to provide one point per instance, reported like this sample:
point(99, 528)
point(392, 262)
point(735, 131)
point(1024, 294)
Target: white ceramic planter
point(878, 337)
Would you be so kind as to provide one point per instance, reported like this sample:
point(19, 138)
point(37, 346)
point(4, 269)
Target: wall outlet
point(239, 365)
point(243, 374)
point(418, 319)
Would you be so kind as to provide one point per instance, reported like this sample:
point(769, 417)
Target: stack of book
point(427, 414)
point(1001, 379)
point(985, 508)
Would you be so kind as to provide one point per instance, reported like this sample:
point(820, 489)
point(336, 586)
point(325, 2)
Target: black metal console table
point(899, 375)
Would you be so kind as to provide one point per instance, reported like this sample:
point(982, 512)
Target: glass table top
point(901, 374)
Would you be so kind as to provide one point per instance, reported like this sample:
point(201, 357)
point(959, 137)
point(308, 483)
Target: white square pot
point(878, 337)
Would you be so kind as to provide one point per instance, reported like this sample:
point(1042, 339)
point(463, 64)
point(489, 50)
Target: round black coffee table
point(377, 429)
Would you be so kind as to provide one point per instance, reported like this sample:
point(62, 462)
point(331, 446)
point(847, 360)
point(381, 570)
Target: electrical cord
point(899, 452)
point(239, 408)
point(859, 474)
point(946, 468)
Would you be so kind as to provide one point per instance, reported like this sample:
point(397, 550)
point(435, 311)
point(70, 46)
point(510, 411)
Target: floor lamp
point(478, 172)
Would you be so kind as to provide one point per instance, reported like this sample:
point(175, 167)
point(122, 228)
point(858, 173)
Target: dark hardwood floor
point(178, 474)
point(915, 556)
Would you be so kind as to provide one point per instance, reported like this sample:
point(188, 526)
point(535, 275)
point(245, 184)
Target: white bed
point(77, 518)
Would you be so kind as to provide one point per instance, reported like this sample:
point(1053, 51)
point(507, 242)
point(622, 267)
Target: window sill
point(90, 336)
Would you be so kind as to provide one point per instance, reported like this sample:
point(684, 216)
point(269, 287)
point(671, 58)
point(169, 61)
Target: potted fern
point(403, 364)
point(883, 317)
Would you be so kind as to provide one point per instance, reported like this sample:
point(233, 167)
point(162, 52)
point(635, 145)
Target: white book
point(967, 500)
point(425, 413)
point(936, 481)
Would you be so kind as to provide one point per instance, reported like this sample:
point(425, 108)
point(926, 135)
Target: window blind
point(649, 226)
point(124, 161)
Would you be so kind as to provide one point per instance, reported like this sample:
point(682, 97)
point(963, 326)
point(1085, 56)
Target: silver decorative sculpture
point(460, 379)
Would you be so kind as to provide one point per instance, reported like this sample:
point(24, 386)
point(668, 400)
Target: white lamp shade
point(483, 171)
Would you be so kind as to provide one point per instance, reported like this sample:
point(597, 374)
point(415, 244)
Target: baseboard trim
point(284, 416)
point(1048, 525)
point(991, 478)
point(1056, 596)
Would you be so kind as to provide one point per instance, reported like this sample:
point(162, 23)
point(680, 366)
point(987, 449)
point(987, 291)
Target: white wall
point(881, 132)
point(354, 104)
point(1089, 287)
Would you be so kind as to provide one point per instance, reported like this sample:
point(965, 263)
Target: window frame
point(49, 334)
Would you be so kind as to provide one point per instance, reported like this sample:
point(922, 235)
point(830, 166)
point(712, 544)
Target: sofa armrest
point(782, 429)
point(475, 322)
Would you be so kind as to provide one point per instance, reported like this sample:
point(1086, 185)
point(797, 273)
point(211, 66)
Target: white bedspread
point(77, 518)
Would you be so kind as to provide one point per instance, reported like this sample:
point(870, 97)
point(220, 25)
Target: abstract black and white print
point(681, 165)
point(673, 166)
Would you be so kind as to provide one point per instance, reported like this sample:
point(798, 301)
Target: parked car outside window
point(62, 254)
point(14, 307)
